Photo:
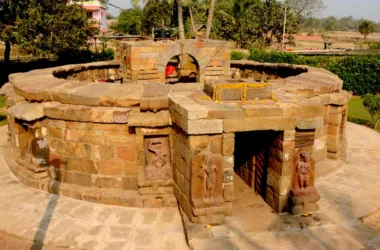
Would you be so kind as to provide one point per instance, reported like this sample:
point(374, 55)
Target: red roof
point(308, 38)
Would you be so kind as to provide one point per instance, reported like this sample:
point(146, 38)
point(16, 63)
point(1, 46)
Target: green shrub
point(374, 45)
point(372, 104)
point(360, 73)
point(237, 55)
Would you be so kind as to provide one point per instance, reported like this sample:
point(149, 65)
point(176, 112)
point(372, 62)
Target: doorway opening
point(182, 68)
point(252, 151)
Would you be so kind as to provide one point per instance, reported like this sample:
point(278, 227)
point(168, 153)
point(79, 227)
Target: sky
point(367, 9)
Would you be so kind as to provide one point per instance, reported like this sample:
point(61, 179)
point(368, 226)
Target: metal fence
point(30, 58)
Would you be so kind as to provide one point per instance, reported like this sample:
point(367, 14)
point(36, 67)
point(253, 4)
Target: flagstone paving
point(350, 198)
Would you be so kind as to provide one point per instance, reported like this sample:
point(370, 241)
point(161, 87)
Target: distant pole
point(284, 30)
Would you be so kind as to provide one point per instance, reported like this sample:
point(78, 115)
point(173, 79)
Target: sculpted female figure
point(303, 170)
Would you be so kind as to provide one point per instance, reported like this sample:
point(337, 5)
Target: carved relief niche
point(304, 196)
point(157, 158)
point(39, 147)
point(206, 180)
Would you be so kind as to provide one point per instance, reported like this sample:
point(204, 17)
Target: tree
point(210, 17)
point(252, 22)
point(306, 7)
point(8, 15)
point(45, 26)
point(52, 27)
point(129, 21)
point(181, 27)
point(153, 14)
point(366, 28)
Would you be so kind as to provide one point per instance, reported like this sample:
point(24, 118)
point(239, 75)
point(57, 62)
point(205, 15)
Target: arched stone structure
point(146, 62)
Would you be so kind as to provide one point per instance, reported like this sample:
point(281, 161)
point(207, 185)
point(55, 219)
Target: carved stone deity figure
point(158, 158)
point(209, 175)
point(206, 180)
point(303, 196)
point(303, 171)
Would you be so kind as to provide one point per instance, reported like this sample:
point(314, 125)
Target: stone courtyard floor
point(349, 216)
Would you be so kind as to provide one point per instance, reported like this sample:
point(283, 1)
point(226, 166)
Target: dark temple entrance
point(252, 150)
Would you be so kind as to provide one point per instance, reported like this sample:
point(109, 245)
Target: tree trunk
point(7, 52)
point(180, 21)
point(192, 21)
point(210, 17)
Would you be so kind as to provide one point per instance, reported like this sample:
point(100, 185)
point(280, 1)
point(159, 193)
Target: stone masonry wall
point(85, 154)
point(145, 62)
point(186, 148)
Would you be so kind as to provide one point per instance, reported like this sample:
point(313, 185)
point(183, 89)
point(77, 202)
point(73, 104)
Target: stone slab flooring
point(64, 223)
point(349, 216)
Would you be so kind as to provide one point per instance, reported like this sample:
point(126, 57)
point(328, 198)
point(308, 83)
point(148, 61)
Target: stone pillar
point(279, 171)
point(203, 175)
point(336, 138)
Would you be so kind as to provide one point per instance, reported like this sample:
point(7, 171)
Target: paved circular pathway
point(349, 195)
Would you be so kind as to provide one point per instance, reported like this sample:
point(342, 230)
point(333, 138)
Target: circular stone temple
point(115, 133)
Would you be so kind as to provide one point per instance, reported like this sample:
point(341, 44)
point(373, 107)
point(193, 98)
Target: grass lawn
point(358, 114)
point(3, 115)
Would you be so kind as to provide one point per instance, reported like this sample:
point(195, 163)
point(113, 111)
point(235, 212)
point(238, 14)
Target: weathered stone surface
point(310, 123)
point(126, 95)
point(262, 111)
point(27, 111)
point(147, 119)
point(251, 124)
point(198, 127)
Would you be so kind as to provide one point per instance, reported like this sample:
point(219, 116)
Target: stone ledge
point(90, 194)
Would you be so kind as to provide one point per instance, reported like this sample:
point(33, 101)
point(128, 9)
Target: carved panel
point(206, 180)
point(157, 158)
point(39, 148)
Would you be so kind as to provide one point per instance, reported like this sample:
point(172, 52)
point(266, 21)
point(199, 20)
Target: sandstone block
point(129, 183)
point(311, 111)
point(335, 119)
point(198, 142)
point(216, 143)
point(228, 192)
point(77, 113)
point(102, 152)
point(310, 123)
point(127, 153)
point(281, 168)
point(130, 168)
point(114, 138)
point(224, 112)
point(251, 124)
point(101, 115)
point(87, 166)
point(83, 179)
point(107, 182)
point(110, 167)
point(228, 146)
point(198, 127)
point(147, 119)
point(121, 115)
point(262, 111)
point(281, 185)
point(56, 132)
point(72, 164)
